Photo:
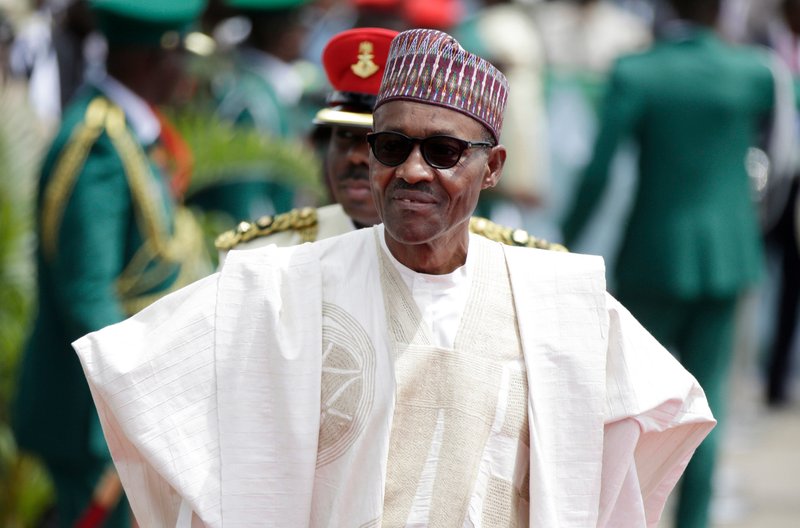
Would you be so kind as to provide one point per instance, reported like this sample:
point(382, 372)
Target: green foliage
point(25, 489)
point(222, 150)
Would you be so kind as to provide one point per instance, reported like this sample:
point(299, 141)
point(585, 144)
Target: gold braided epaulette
point(303, 220)
point(509, 236)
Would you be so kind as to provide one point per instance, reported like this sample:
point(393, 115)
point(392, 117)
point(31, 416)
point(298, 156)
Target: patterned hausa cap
point(430, 66)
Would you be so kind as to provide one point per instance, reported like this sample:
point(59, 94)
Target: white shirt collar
point(440, 298)
point(137, 112)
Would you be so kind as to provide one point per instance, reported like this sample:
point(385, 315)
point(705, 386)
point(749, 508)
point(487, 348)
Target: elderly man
point(406, 374)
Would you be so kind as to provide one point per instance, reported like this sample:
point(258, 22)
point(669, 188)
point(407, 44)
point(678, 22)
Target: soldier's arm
point(91, 238)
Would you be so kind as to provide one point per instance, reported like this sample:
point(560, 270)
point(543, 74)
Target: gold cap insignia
point(365, 67)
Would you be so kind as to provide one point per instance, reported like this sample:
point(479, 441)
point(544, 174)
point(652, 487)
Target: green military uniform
point(247, 98)
point(111, 241)
point(248, 94)
point(691, 244)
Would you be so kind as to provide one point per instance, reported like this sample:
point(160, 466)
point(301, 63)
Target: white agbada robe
point(211, 398)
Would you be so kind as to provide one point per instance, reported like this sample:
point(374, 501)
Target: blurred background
point(241, 153)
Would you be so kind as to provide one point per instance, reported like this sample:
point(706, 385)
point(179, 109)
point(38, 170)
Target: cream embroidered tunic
point(458, 452)
point(283, 392)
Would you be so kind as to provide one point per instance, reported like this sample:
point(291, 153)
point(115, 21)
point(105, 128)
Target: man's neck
point(437, 257)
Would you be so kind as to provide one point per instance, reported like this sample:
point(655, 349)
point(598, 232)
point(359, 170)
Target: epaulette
point(302, 220)
point(65, 171)
point(510, 236)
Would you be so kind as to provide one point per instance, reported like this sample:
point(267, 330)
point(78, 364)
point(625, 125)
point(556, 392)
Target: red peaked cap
point(354, 61)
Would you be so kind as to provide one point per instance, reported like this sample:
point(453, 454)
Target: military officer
point(264, 87)
point(259, 88)
point(354, 62)
point(691, 244)
point(111, 239)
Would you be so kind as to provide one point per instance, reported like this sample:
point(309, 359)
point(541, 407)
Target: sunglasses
point(440, 152)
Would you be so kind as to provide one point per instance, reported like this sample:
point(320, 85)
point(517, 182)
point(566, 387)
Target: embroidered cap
point(430, 66)
point(354, 61)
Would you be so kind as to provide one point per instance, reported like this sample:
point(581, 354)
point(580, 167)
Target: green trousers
point(700, 334)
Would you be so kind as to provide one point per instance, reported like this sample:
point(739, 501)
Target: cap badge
point(365, 67)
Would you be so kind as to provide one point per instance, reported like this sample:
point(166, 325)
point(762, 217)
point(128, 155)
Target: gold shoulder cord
point(159, 247)
point(137, 170)
point(102, 116)
point(66, 170)
point(509, 236)
point(304, 221)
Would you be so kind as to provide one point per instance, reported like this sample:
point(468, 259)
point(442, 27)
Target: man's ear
point(494, 166)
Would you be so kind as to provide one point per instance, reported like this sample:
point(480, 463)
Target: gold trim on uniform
point(302, 220)
point(306, 223)
point(194, 266)
point(65, 173)
point(509, 236)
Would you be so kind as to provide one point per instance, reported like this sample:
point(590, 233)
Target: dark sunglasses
point(440, 152)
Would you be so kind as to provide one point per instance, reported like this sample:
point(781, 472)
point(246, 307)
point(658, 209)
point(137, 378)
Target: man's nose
point(414, 169)
point(358, 153)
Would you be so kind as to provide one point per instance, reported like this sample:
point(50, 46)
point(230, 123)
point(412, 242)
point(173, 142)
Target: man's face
point(169, 68)
point(417, 202)
point(347, 170)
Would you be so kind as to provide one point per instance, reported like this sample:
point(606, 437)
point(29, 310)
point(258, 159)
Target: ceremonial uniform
point(259, 91)
point(249, 98)
point(111, 241)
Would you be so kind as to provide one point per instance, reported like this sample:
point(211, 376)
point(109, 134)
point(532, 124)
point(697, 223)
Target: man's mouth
point(409, 196)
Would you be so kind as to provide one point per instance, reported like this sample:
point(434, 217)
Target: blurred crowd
point(236, 141)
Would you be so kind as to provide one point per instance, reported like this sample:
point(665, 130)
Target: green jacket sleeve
point(620, 111)
point(92, 238)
